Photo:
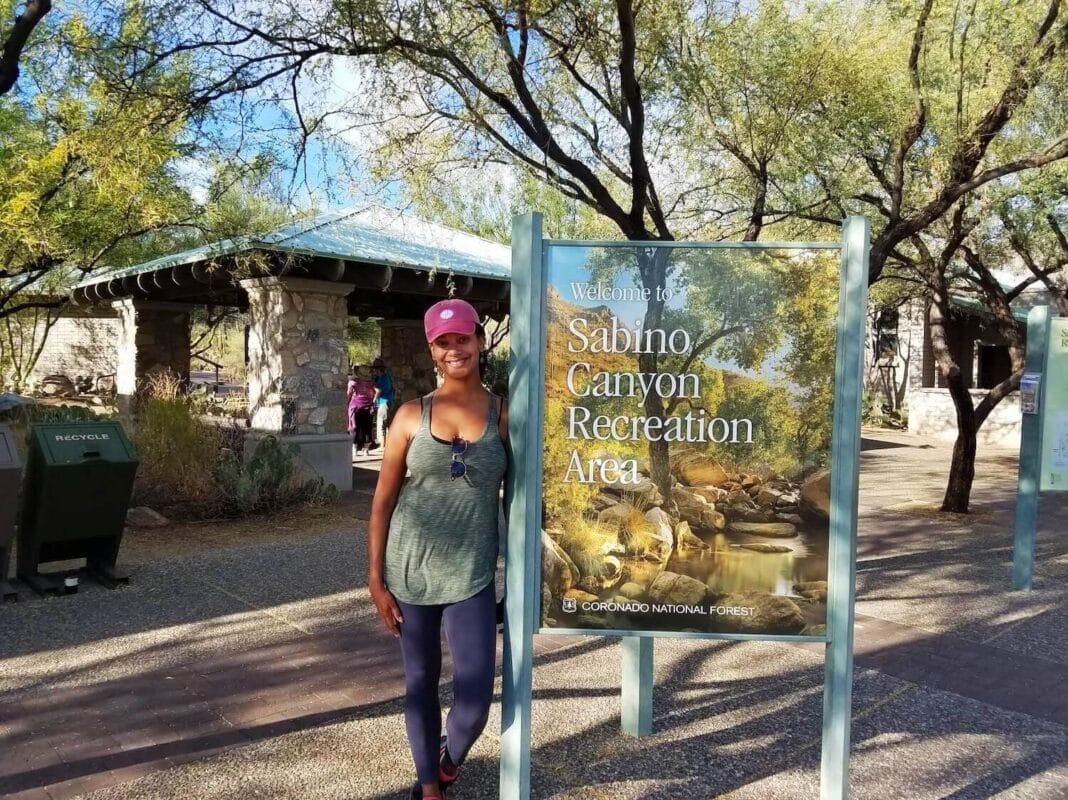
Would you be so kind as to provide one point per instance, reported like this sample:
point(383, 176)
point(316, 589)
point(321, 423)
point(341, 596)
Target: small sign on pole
point(1029, 385)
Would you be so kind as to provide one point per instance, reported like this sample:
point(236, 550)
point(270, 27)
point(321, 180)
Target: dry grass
point(178, 455)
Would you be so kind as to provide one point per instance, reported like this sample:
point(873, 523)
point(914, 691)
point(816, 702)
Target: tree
point(921, 107)
point(563, 92)
point(92, 179)
point(754, 84)
point(981, 237)
point(22, 339)
point(972, 109)
point(82, 170)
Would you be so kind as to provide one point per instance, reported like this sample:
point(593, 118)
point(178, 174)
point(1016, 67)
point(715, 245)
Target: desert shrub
point(267, 481)
point(21, 418)
point(177, 452)
point(874, 412)
point(231, 405)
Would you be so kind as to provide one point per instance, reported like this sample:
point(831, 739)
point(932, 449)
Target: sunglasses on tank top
point(458, 468)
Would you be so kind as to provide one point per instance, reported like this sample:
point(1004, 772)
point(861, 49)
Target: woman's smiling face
point(456, 354)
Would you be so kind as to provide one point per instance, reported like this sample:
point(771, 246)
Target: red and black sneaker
point(447, 771)
point(416, 793)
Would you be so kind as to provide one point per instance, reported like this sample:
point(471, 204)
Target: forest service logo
point(569, 604)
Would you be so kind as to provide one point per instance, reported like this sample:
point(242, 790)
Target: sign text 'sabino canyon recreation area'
point(687, 439)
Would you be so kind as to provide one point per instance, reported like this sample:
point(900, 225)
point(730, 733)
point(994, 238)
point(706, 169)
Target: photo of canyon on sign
point(687, 430)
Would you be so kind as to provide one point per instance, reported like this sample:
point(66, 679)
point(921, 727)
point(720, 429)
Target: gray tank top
point(442, 545)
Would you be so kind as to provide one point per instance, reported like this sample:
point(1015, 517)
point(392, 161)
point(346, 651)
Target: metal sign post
point(531, 287)
point(841, 584)
point(1043, 433)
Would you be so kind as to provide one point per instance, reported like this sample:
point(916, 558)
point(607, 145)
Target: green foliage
point(775, 421)
point(191, 469)
point(176, 449)
point(363, 340)
point(82, 167)
point(23, 417)
point(268, 480)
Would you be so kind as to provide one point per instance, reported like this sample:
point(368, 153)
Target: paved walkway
point(260, 671)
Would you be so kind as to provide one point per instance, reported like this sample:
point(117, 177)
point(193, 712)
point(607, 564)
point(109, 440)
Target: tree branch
point(15, 43)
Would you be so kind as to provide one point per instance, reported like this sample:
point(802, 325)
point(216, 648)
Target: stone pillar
point(153, 338)
point(297, 371)
point(405, 351)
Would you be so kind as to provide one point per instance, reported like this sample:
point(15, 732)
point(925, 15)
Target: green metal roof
point(974, 306)
point(370, 234)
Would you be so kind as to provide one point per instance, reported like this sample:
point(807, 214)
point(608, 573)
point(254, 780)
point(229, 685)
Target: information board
point(1054, 469)
point(687, 430)
point(685, 427)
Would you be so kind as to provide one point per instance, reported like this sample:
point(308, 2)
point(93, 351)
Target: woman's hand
point(387, 607)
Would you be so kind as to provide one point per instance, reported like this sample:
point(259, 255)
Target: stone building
point(298, 286)
point(902, 373)
point(83, 341)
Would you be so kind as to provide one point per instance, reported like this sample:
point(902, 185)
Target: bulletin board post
point(1043, 433)
point(525, 489)
point(526, 377)
point(1023, 545)
point(842, 566)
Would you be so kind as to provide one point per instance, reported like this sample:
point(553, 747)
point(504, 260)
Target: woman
point(433, 544)
point(361, 398)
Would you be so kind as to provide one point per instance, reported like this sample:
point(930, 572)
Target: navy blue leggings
point(471, 631)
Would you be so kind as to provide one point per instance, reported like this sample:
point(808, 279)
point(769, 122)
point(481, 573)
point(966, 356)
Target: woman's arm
point(390, 480)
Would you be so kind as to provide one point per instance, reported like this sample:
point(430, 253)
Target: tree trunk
point(756, 217)
point(653, 268)
point(962, 467)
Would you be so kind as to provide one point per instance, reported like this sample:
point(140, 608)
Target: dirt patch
point(182, 538)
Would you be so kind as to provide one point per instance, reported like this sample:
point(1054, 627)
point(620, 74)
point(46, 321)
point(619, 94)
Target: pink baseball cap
point(449, 316)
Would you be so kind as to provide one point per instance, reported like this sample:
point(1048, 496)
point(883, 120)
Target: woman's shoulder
point(412, 409)
point(407, 419)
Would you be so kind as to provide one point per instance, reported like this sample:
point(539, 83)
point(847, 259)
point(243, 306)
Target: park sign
point(684, 420)
point(687, 430)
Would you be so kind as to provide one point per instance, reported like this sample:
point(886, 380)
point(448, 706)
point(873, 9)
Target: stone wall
point(79, 345)
point(405, 351)
point(931, 413)
point(296, 355)
point(153, 338)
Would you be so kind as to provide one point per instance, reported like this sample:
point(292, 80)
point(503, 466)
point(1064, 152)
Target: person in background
point(383, 396)
point(361, 398)
point(433, 545)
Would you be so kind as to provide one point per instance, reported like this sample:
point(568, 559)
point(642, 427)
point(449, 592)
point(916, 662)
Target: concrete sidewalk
point(259, 670)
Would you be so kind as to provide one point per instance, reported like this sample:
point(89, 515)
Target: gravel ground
point(731, 720)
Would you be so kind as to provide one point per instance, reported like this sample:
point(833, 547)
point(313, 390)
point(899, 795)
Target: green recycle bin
point(10, 479)
point(79, 478)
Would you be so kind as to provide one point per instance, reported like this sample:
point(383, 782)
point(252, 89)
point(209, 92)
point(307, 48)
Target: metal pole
point(637, 698)
point(522, 560)
point(1023, 542)
point(845, 474)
